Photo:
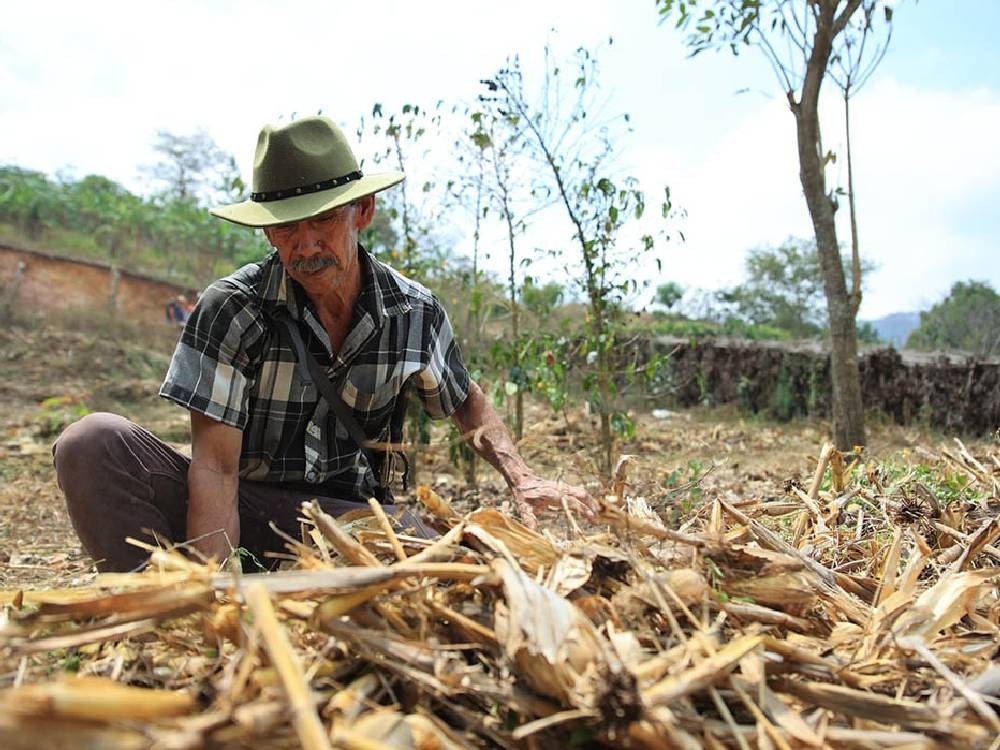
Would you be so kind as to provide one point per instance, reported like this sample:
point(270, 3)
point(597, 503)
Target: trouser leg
point(120, 481)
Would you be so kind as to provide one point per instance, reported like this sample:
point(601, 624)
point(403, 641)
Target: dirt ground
point(53, 373)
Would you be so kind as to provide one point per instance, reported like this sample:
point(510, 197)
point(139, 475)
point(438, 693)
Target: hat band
point(274, 195)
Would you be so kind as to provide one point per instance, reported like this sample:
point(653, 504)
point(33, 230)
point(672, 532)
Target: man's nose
point(308, 236)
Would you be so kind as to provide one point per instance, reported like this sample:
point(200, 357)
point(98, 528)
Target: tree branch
point(845, 16)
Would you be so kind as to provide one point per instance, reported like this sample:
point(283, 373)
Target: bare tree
point(193, 167)
point(861, 49)
point(801, 40)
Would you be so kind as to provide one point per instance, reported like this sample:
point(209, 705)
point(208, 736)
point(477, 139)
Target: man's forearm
point(482, 429)
point(213, 520)
point(486, 433)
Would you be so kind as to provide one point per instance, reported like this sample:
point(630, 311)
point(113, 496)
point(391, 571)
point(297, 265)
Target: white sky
point(84, 87)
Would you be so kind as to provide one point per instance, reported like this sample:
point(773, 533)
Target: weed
point(246, 556)
point(58, 413)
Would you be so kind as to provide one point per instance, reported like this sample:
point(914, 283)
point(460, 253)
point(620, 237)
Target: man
point(292, 369)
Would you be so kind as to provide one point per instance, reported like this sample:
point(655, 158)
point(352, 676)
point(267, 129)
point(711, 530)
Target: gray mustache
point(309, 265)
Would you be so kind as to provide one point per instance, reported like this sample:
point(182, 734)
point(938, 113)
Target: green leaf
point(623, 425)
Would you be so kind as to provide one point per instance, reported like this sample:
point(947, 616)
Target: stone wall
point(947, 390)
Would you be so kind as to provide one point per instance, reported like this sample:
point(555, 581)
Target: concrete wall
point(45, 282)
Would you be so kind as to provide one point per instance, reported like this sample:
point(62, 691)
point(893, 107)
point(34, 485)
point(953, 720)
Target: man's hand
point(487, 436)
point(534, 495)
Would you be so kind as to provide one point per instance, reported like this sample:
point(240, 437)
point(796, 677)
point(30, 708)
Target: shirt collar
point(381, 295)
point(386, 297)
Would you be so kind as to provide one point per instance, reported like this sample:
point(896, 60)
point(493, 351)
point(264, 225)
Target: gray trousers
point(122, 481)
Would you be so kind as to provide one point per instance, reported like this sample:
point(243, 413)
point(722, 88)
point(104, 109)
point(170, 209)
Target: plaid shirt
point(231, 365)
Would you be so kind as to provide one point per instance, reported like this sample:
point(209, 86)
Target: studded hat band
point(315, 187)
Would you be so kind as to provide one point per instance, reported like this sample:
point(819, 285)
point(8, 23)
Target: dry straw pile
point(859, 616)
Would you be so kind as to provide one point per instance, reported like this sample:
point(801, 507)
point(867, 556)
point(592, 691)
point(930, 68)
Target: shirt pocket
point(373, 387)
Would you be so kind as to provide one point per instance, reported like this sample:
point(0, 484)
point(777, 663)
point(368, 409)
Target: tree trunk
point(607, 440)
point(114, 276)
point(852, 204)
point(848, 414)
point(515, 330)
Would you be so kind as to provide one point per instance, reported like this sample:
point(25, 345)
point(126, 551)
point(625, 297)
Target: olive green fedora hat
point(300, 170)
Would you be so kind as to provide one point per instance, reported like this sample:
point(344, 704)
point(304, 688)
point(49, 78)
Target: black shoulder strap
point(311, 372)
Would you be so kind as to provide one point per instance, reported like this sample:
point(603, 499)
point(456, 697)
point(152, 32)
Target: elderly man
point(293, 370)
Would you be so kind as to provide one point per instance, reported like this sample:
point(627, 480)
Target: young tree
point(500, 137)
point(467, 191)
point(859, 51)
point(402, 137)
point(573, 147)
point(799, 40)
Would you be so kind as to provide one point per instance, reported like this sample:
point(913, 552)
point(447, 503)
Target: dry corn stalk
point(723, 633)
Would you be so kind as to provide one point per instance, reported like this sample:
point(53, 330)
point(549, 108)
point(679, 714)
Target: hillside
point(896, 328)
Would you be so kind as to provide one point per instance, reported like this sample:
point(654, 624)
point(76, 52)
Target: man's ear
point(365, 212)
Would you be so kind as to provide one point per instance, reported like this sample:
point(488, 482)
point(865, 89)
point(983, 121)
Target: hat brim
point(299, 207)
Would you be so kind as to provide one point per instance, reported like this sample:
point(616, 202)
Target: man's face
point(321, 253)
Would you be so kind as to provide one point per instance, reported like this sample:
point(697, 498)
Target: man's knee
point(84, 444)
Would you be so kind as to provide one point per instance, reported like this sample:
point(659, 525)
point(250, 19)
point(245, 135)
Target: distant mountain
point(895, 328)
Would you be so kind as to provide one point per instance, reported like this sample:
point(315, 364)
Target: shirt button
point(311, 475)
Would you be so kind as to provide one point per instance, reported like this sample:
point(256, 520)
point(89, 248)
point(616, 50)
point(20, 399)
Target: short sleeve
point(443, 382)
point(210, 371)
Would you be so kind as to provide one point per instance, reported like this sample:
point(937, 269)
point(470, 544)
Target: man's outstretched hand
point(487, 436)
point(534, 495)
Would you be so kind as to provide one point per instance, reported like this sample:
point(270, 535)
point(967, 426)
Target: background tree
point(194, 167)
point(115, 218)
point(783, 289)
point(669, 294)
point(967, 319)
point(542, 300)
point(798, 39)
point(28, 200)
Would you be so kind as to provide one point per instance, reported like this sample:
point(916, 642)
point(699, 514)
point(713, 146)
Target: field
point(731, 594)
point(91, 371)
